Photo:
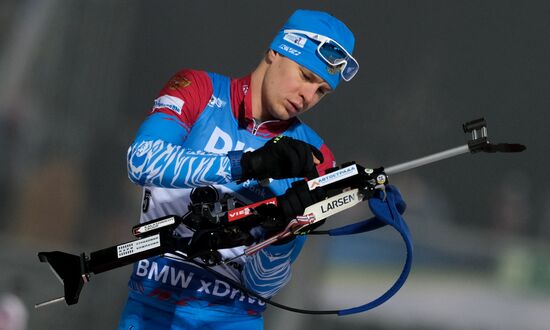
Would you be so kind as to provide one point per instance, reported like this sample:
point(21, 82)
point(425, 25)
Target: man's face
point(290, 89)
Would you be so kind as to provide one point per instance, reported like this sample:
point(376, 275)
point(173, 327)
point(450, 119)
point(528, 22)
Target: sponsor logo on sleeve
point(179, 82)
point(170, 102)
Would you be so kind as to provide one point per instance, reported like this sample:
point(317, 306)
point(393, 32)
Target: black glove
point(297, 198)
point(289, 205)
point(281, 157)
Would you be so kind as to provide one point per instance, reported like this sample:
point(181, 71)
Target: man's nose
point(308, 93)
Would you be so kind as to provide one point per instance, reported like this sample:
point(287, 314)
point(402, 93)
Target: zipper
point(256, 126)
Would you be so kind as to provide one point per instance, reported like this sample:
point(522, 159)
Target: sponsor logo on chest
point(221, 142)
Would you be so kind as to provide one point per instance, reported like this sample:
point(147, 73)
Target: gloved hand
point(281, 157)
point(289, 205)
point(297, 198)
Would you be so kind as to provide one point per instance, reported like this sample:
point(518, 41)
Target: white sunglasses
point(332, 53)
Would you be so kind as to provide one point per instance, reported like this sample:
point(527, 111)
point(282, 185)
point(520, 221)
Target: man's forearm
point(154, 162)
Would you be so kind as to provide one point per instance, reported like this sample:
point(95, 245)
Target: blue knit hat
point(302, 48)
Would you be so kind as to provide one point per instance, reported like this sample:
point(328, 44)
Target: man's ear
point(270, 55)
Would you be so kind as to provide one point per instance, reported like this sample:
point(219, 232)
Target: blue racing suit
point(196, 120)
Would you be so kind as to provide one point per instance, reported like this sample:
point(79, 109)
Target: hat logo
point(290, 50)
point(295, 39)
point(334, 69)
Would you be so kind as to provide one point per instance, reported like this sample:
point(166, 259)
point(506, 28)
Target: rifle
point(219, 224)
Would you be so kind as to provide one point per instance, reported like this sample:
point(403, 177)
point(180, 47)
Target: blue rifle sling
point(387, 210)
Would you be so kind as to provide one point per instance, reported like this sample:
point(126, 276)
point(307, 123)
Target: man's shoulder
point(198, 80)
point(185, 95)
point(186, 77)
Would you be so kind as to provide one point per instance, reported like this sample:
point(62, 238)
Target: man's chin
point(283, 114)
point(287, 116)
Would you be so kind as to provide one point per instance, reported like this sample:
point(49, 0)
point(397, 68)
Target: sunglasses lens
point(332, 53)
point(335, 55)
point(350, 69)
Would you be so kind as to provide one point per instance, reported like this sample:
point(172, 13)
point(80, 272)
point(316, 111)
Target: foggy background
point(78, 77)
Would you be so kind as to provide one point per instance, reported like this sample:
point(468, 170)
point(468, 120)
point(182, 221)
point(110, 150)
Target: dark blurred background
point(78, 77)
